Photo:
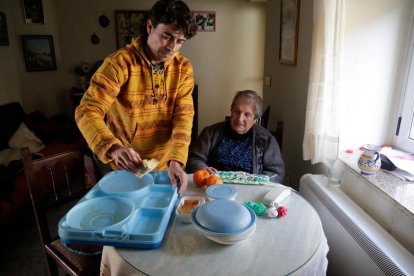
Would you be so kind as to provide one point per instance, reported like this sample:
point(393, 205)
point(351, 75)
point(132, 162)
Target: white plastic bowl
point(228, 239)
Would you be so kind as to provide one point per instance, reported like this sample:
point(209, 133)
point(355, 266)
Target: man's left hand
point(176, 171)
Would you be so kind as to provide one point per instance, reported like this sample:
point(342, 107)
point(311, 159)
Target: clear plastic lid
point(221, 191)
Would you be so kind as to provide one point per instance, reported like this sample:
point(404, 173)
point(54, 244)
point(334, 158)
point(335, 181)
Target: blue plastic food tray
point(122, 210)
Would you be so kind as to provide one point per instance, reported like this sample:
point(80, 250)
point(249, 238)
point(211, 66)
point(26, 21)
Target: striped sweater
point(130, 103)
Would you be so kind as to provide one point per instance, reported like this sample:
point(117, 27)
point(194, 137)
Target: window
point(378, 45)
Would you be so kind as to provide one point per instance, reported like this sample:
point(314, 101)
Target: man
point(139, 102)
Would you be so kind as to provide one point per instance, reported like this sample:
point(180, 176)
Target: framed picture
point(289, 28)
point(4, 35)
point(33, 12)
point(127, 26)
point(39, 52)
point(205, 20)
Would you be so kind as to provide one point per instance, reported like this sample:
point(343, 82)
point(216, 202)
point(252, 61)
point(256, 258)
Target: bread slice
point(147, 166)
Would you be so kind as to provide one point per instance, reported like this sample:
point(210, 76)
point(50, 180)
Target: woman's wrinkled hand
point(211, 170)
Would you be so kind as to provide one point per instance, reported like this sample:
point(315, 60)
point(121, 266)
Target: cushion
point(89, 265)
point(24, 137)
point(11, 115)
point(8, 155)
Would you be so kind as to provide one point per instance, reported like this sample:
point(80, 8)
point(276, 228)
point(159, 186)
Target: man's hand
point(176, 171)
point(125, 158)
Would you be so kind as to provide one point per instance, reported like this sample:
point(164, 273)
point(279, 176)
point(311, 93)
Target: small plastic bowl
point(186, 206)
point(221, 191)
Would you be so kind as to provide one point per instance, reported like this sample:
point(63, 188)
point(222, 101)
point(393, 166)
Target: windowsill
point(383, 196)
point(400, 191)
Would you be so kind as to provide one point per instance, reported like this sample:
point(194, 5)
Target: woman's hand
point(176, 171)
point(211, 170)
point(125, 158)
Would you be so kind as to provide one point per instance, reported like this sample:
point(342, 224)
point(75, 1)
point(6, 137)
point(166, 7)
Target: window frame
point(405, 117)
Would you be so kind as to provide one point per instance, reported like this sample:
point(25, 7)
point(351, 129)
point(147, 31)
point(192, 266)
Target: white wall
point(8, 66)
point(35, 90)
point(225, 61)
point(230, 59)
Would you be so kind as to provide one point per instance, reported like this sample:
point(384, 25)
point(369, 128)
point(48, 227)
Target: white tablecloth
point(295, 245)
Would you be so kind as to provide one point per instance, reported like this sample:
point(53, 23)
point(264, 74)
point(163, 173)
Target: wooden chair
point(263, 121)
point(194, 130)
point(53, 182)
point(278, 133)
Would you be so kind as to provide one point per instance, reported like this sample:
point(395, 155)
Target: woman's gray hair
point(251, 96)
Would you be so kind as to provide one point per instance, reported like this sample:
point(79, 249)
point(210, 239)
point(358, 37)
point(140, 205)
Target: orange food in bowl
point(189, 205)
point(213, 180)
point(199, 177)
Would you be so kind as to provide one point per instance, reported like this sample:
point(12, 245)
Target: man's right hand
point(125, 158)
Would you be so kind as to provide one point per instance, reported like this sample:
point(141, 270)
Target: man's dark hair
point(169, 12)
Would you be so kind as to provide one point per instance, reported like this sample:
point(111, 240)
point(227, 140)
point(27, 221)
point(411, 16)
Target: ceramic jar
point(370, 162)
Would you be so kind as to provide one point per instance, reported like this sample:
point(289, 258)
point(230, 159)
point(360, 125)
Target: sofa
point(43, 135)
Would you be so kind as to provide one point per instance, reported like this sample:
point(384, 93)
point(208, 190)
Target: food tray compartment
point(124, 183)
point(158, 196)
point(161, 177)
point(99, 213)
point(147, 221)
point(134, 213)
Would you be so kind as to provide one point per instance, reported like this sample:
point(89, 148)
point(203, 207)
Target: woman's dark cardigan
point(267, 158)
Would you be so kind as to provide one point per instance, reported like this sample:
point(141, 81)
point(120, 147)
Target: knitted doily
point(240, 177)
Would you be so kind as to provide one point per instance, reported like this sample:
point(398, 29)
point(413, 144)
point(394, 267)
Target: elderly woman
point(239, 144)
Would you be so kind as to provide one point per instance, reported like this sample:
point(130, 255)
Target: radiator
point(357, 244)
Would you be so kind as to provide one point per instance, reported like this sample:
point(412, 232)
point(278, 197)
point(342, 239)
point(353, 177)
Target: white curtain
point(321, 138)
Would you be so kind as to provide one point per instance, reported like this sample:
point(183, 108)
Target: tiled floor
point(21, 251)
point(20, 247)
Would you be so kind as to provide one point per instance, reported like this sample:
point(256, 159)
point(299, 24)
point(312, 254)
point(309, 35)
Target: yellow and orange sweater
point(131, 104)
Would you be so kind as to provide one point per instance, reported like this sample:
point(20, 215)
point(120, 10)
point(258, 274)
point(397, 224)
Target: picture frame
point(127, 25)
point(33, 12)
point(39, 52)
point(289, 29)
point(4, 34)
point(205, 20)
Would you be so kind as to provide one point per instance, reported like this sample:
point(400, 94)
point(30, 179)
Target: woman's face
point(242, 116)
